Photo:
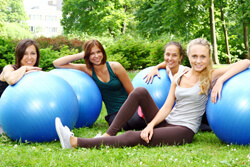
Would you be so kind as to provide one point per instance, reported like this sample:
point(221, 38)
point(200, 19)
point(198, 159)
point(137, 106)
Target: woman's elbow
point(247, 61)
point(11, 81)
point(56, 64)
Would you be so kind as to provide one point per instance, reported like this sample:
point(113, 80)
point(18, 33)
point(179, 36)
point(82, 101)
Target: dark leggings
point(164, 133)
point(134, 123)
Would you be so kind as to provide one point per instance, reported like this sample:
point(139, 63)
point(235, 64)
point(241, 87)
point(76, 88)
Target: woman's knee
point(140, 91)
point(131, 138)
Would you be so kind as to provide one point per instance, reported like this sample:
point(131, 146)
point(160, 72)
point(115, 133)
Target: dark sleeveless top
point(113, 92)
point(3, 84)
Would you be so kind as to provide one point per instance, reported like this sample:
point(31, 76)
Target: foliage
point(7, 50)
point(135, 52)
point(48, 55)
point(190, 19)
point(3, 7)
point(96, 17)
point(234, 18)
point(131, 52)
point(12, 11)
point(48, 51)
point(15, 31)
point(58, 42)
point(179, 17)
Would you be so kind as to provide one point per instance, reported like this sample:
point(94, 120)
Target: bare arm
point(147, 133)
point(122, 74)
point(65, 62)
point(223, 74)
point(12, 76)
point(155, 71)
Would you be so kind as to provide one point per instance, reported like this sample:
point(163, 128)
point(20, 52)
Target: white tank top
point(189, 107)
point(180, 70)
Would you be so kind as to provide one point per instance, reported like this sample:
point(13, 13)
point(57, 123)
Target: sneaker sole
point(57, 122)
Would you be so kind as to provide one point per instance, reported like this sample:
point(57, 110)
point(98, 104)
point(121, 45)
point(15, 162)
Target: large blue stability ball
point(158, 89)
point(88, 94)
point(229, 118)
point(28, 109)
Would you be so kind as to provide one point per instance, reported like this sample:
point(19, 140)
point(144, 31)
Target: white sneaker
point(63, 133)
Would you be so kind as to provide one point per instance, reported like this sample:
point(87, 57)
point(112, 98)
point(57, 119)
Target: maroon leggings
point(164, 133)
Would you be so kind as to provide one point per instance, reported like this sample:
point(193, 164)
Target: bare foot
point(105, 135)
point(73, 141)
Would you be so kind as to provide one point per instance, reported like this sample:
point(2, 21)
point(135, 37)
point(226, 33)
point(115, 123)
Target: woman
point(166, 126)
point(111, 78)
point(173, 56)
point(26, 60)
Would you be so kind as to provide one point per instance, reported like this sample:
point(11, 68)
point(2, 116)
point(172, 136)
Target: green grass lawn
point(206, 150)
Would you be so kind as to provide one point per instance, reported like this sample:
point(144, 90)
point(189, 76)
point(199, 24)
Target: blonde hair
point(206, 74)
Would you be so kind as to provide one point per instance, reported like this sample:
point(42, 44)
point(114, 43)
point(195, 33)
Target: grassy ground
point(206, 150)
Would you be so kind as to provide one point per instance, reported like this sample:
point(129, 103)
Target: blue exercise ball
point(229, 118)
point(87, 92)
point(158, 89)
point(28, 109)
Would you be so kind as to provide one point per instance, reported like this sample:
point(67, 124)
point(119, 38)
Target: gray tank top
point(189, 107)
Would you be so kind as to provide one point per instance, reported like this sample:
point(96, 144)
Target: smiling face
point(198, 57)
point(96, 55)
point(172, 56)
point(29, 57)
point(91, 49)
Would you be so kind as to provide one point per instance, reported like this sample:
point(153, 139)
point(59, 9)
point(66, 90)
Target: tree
point(221, 6)
point(3, 14)
point(97, 17)
point(246, 15)
point(11, 11)
point(241, 8)
point(182, 18)
point(213, 34)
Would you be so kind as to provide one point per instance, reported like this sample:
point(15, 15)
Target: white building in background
point(44, 17)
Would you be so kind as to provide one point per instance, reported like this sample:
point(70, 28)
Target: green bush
point(48, 55)
point(7, 52)
point(156, 55)
point(132, 53)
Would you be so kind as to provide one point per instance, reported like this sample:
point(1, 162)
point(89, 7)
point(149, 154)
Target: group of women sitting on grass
point(165, 126)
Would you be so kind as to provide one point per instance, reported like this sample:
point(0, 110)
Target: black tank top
point(3, 84)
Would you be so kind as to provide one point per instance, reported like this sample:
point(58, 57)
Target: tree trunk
point(247, 56)
point(124, 27)
point(111, 32)
point(213, 35)
point(225, 34)
point(124, 23)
